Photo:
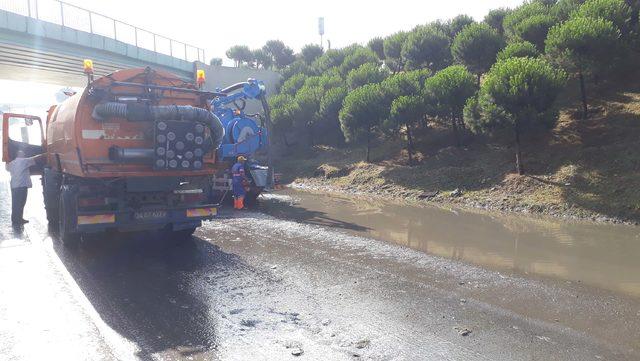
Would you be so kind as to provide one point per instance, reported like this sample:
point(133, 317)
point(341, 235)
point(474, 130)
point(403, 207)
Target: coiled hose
point(142, 112)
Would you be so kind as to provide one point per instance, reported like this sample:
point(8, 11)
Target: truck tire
point(51, 194)
point(66, 218)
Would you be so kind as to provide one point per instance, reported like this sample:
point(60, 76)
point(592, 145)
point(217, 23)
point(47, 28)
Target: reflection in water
point(601, 255)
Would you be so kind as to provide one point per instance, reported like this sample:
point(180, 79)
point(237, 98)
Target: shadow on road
point(151, 290)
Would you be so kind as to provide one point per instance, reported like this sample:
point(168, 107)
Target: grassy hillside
point(587, 169)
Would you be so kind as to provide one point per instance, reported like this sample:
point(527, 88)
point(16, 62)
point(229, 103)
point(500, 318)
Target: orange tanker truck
point(135, 150)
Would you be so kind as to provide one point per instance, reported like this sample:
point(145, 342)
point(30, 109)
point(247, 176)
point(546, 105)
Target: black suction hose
point(143, 112)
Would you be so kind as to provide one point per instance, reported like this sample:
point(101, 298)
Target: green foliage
point(530, 21)
point(583, 44)
point(525, 88)
point(457, 24)
point(325, 81)
point(392, 46)
point(328, 121)
point(240, 54)
point(215, 62)
point(331, 103)
point(404, 84)
point(427, 46)
point(280, 54)
point(517, 91)
point(310, 53)
point(534, 29)
point(283, 110)
point(407, 110)
point(330, 59)
point(495, 18)
point(520, 49)
point(563, 9)
point(447, 91)
point(377, 46)
point(476, 47)
point(360, 113)
point(307, 100)
point(261, 59)
point(481, 115)
point(293, 84)
point(295, 68)
point(357, 58)
point(617, 11)
point(366, 74)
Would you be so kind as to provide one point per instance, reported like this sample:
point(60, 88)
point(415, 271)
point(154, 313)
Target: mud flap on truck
point(67, 216)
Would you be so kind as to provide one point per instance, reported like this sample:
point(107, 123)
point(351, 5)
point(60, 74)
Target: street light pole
point(321, 30)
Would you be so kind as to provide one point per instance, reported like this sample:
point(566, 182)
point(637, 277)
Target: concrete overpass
point(46, 40)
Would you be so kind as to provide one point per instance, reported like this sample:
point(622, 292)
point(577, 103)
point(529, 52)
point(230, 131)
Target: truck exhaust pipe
point(133, 155)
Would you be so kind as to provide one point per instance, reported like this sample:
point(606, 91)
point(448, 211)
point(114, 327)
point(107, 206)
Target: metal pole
point(115, 33)
point(135, 34)
point(29, 8)
point(61, 13)
point(90, 23)
point(170, 47)
point(37, 10)
point(185, 52)
point(154, 42)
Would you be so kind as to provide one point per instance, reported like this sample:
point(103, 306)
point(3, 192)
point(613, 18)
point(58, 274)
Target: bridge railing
point(75, 17)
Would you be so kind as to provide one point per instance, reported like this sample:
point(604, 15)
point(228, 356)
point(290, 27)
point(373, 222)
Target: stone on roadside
point(362, 344)
point(297, 351)
point(455, 193)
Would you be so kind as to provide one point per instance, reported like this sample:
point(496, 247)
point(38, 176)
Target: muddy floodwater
point(605, 256)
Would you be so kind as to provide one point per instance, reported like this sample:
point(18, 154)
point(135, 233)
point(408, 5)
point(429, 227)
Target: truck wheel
point(66, 215)
point(51, 192)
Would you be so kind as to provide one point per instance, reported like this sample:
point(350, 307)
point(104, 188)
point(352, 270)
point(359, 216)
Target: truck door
point(22, 132)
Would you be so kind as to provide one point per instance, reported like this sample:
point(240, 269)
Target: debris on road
point(297, 351)
point(462, 331)
point(362, 344)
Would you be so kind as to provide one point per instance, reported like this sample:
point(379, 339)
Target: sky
point(217, 25)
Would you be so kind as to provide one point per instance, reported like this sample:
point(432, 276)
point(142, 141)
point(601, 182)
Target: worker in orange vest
point(238, 180)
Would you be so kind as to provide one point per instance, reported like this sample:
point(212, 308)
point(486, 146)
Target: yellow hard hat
point(241, 158)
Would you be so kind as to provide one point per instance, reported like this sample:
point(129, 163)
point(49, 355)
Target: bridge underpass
point(40, 47)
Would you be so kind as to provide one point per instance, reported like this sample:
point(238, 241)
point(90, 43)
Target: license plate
point(146, 215)
point(202, 212)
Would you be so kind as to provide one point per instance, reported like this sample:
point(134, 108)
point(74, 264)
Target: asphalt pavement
point(256, 286)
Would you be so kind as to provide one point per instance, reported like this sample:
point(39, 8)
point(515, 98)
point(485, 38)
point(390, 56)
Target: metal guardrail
point(75, 17)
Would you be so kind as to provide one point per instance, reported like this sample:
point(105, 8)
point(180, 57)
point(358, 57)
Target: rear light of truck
point(92, 202)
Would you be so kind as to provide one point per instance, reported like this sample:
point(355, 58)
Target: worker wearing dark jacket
point(238, 180)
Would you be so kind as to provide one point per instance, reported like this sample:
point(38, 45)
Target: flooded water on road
point(605, 256)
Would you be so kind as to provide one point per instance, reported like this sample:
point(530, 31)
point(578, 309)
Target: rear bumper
point(147, 219)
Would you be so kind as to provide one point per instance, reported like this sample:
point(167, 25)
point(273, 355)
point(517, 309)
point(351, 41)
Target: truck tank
point(136, 150)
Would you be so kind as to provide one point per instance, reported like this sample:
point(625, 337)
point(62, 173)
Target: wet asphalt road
point(251, 286)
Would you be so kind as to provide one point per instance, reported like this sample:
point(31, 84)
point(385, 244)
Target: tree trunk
point(311, 138)
point(479, 76)
point(454, 126)
point(368, 143)
point(519, 165)
point(583, 91)
point(284, 139)
point(409, 144)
